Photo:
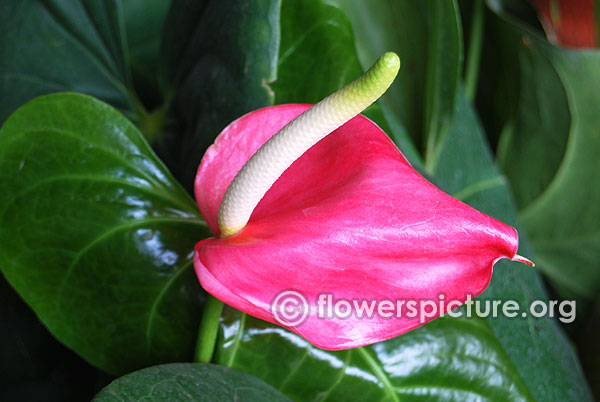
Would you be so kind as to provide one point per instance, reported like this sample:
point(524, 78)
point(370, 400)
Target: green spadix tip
point(385, 70)
point(372, 84)
point(391, 61)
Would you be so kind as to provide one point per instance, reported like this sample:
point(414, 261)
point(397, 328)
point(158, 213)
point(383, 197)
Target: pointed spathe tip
point(524, 260)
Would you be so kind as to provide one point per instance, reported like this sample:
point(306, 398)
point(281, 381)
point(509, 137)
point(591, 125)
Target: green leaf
point(529, 112)
point(186, 382)
point(144, 22)
point(533, 142)
point(96, 236)
point(218, 63)
point(107, 49)
point(549, 153)
point(315, 27)
point(51, 46)
point(444, 64)
point(563, 220)
point(446, 360)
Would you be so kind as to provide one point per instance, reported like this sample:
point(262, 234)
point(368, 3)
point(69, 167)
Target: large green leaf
point(549, 153)
point(95, 234)
point(309, 29)
point(525, 106)
point(108, 49)
point(447, 360)
point(533, 142)
point(564, 221)
point(218, 62)
point(189, 382)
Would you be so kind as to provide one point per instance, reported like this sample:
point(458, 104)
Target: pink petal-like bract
point(350, 219)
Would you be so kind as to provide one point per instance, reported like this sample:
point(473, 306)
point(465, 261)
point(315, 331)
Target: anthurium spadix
point(318, 204)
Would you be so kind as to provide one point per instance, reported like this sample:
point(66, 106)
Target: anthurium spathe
point(349, 219)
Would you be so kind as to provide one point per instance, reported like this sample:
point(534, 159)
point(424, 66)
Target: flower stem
point(474, 54)
point(264, 168)
point(209, 327)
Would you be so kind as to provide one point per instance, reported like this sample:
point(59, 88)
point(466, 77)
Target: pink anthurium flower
point(348, 219)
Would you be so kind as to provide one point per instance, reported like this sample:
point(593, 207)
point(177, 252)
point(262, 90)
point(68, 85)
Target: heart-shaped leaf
point(96, 235)
point(189, 382)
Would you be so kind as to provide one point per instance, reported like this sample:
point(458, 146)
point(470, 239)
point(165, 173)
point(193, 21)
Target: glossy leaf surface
point(448, 359)
point(185, 382)
point(96, 235)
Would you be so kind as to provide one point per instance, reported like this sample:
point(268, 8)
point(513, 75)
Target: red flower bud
point(570, 23)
